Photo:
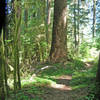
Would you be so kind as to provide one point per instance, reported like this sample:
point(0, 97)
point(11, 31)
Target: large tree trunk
point(58, 47)
point(98, 71)
point(97, 94)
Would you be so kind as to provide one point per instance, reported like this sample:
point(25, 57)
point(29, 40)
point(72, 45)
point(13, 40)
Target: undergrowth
point(82, 77)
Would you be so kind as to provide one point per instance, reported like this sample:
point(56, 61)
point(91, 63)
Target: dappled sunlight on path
point(61, 87)
point(61, 90)
point(67, 77)
point(62, 82)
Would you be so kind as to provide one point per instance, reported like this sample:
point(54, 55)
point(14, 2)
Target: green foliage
point(85, 79)
point(78, 64)
point(28, 93)
point(84, 49)
point(97, 43)
point(33, 49)
point(57, 70)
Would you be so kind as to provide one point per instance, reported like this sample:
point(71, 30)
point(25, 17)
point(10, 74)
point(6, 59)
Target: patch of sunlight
point(94, 53)
point(60, 86)
point(36, 81)
point(67, 77)
point(42, 25)
point(88, 59)
point(44, 81)
point(27, 81)
point(10, 83)
point(32, 80)
point(11, 67)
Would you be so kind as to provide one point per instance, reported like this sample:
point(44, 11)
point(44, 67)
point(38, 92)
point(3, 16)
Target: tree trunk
point(58, 51)
point(78, 27)
point(97, 94)
point(18, 15)
point(16, 45)
point(94, 17)
point(75, 23)
point(26, 26)
point(2, 24)
point(2, 94)
point(48, 14)
point(98, 71)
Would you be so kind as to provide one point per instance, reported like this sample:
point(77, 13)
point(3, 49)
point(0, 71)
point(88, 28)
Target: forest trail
point(67, 84)
point(62, 90)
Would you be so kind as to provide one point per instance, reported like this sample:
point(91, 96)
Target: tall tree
point(2, 25)
point(75, 23)
point(26, 26)
point(98, 18)
point(94, 18)
point(48, 14)
point(97, 95)
point(2, 94)
point(16, 44)
point(78, 26)
point(98, 72)
point(58, 47)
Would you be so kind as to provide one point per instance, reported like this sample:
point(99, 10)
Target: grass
point(82, 77)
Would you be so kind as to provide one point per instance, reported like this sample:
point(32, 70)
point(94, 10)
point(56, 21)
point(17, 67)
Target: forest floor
point(62, 90)
point(59, 83)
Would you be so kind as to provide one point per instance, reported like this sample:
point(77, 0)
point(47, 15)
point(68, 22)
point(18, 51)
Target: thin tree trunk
point(58, 51)
point(48, 14)
point(94, 18)
point(2, 93)
point(78, 26)
point(18, 15)
point(5, 37)
point(4, 62)
point(16, 45)
point(2, 24)
point(75, 23)
point(26, 20)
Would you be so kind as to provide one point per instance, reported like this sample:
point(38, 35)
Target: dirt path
point(62, 90)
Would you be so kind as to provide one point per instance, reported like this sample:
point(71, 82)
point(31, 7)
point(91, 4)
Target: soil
point(62, 90)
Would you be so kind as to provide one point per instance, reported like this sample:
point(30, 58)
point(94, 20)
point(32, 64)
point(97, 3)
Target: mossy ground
point(72, 81)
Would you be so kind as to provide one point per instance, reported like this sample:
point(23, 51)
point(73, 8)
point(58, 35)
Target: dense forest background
point(44, 43)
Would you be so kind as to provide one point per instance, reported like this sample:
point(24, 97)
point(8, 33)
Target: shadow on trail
point(82, 81)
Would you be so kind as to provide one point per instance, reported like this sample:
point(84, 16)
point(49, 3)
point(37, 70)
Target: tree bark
point(78, 27)
point(58, 51)
point(2, 94)
point(97, 94)
point(98, 71)
point(75, 23)
point(2, 25)
point(48, 14)
point(94, 18)
point(16, 45)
